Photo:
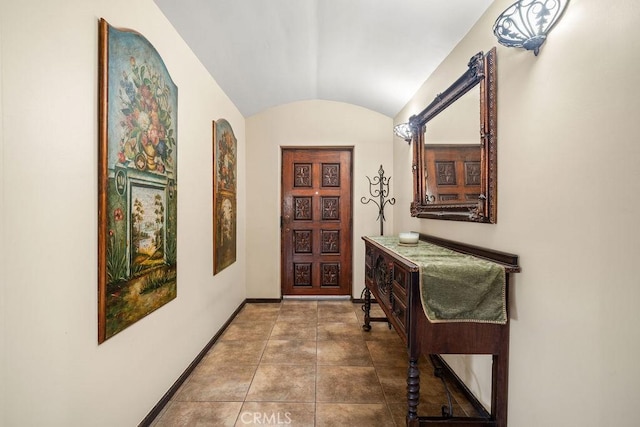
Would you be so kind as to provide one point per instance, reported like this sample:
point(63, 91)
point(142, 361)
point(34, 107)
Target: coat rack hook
point(379, 188)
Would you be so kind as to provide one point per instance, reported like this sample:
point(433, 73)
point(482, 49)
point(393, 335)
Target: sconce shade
point(526, 23)
point(403, 130)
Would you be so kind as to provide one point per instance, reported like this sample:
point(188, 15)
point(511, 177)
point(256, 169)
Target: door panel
point(453, 173)
point(316, 221)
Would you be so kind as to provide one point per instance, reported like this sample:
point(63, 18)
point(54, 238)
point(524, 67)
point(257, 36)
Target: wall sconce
point(403, 130)
point(527, 22)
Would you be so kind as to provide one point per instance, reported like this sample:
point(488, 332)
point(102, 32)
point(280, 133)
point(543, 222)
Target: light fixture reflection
point(526, 23)
point(403, 130)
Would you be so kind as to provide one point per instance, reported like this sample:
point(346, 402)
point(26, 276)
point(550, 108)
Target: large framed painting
point(137, 180)
point(225, 148)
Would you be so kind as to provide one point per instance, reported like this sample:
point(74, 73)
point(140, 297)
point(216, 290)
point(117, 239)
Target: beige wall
point(52, 371)
point(567, 184)
point(309, 123)
point(2, 255)
point(568, 180)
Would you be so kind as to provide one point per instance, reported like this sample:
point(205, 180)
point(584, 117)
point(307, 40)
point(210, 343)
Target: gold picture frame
point(225, 149)
point(137, 180)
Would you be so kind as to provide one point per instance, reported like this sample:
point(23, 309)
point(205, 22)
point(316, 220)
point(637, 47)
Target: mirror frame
point(481, 71)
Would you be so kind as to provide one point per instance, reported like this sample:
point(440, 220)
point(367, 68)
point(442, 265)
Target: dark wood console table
point(395, 283)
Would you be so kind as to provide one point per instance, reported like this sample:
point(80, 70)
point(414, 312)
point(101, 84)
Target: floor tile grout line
point(244, 400)
point(336, 337)
point(384, 393)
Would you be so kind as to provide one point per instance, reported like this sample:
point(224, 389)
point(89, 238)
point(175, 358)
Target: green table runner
point(455, 287)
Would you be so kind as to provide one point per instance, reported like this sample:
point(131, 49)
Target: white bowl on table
point(409, 238)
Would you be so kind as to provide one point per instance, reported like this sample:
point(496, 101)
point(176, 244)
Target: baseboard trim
point(262, 300)
point(153, 414)
point(317, 297)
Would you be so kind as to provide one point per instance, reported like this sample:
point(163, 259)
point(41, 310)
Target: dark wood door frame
point(317, 221)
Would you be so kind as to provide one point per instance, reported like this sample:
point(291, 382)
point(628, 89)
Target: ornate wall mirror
point(454, 153)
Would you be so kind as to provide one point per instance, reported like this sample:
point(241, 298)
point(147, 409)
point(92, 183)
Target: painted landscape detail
point(138, 181)
point(224, 195)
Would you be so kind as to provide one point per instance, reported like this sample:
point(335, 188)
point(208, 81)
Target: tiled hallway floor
point(304, 363)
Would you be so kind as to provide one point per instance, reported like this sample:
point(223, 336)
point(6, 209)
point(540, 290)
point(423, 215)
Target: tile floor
point(304, 363)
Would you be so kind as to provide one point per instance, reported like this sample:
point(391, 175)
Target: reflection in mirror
point(453, 174)
point(454, 146)
point(452, 153)
point(459, 123)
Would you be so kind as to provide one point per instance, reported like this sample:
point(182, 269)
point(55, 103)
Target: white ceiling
point(371, 53)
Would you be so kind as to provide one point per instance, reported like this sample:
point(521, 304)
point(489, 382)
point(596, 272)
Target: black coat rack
point(382, 193)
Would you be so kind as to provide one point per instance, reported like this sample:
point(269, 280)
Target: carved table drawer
point(400, 277)
point(399, 308)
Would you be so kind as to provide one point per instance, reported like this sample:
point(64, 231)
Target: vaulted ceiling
point(371, 53)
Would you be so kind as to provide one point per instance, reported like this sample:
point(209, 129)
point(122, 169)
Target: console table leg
point(413, 392)
point(499, 391)
point(367, 310)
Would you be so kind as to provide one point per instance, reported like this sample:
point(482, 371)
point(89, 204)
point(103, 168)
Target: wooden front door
point(316, 221)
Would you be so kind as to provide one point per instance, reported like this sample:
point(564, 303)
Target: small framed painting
point(137, 180)
point(224, 195)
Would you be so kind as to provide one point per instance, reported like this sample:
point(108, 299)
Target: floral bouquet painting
point(137, 270)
